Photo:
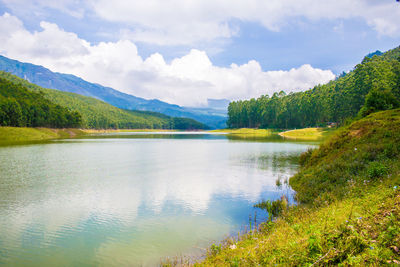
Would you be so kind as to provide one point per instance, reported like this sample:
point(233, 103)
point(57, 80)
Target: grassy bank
point(25, 134)
point(99, 131)
point(245, 132)
point(349, 211)
point(310, 134)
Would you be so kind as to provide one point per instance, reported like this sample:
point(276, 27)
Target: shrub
point(376, 170)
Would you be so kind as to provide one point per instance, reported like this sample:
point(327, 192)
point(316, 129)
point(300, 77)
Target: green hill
point(21, 107)
point(349, 210)
point(372, 85)
point(100, 115)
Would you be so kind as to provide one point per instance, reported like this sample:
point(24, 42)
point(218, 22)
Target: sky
point(187, 51)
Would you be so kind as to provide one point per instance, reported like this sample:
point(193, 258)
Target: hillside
point(376, 79)
point(349, 211)
point(98, 114)
point(43, 77)
point(21, 107)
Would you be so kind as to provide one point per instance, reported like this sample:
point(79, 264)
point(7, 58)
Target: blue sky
point(187, 51)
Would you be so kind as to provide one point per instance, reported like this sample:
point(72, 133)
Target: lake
point(134, 198)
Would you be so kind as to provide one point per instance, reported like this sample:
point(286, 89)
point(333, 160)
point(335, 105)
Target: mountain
point(51, 108)
point(43, 77)
point(220, 104)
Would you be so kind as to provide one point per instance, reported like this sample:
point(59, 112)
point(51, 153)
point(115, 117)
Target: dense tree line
point(21, 107)
point(168, 122)
point(372, 85)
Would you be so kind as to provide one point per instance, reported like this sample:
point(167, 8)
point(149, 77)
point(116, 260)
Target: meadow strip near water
point(311, 134)
point(25, 134)
point(245, 132)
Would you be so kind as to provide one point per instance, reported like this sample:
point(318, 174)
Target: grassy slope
point(24, 134)
point(350, 211)
point(311, 134)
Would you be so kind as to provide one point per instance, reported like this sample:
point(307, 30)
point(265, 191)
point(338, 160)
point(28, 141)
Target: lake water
point(133, 198)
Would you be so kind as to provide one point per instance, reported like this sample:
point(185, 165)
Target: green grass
point(309, 134)
point(24, 134)
point(349, 205)
point(245, 132)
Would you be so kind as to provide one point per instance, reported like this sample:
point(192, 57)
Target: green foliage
point(274, 208)
point(215, 249)
point(373, 85)
point(100, 115)
point(186, 124)
point(361, 152)
point(377, 170)
point(21, 107)
point(305, 156)
point(377, 100)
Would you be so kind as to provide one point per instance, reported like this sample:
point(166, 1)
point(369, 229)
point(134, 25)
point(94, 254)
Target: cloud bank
point(177, 22)
point(189, 80)
point(187, 22)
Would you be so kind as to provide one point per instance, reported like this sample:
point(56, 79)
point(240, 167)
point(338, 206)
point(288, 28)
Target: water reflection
point(125, 200)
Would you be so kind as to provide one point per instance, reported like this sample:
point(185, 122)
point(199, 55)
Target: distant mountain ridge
point(215, 118)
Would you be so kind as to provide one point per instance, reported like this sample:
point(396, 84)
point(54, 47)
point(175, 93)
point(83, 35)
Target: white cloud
point(50, 43)
point(74, 8)
point(188, 80)
point(177, 22)
point(188, 22)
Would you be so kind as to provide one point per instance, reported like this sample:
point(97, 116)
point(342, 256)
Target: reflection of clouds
point(181, 233)
point(125, 181)
point(214, 168)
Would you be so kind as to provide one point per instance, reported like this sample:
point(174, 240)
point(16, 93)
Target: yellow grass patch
point(25, 134)
point(245, 132)
point(305, 134)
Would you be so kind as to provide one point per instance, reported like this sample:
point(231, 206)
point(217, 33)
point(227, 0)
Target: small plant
point(305, 156)
point(376, 170)
point(215, 249)
point(314, 246)
point(274, 208)
point(235, 262)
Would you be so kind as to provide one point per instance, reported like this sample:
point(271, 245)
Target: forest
point(372, 85)
point(89, 112)
point(21, 107)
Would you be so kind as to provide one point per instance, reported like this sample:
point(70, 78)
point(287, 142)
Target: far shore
point(94, 131)
point(27, 134)
point(245, 132)
point(310, 134)
point(16, 135)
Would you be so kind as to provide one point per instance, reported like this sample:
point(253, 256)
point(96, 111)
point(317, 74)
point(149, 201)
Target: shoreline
point(16, 135)
point(309, 134)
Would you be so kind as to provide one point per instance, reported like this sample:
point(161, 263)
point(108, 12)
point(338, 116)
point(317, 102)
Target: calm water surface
point(133, 198)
